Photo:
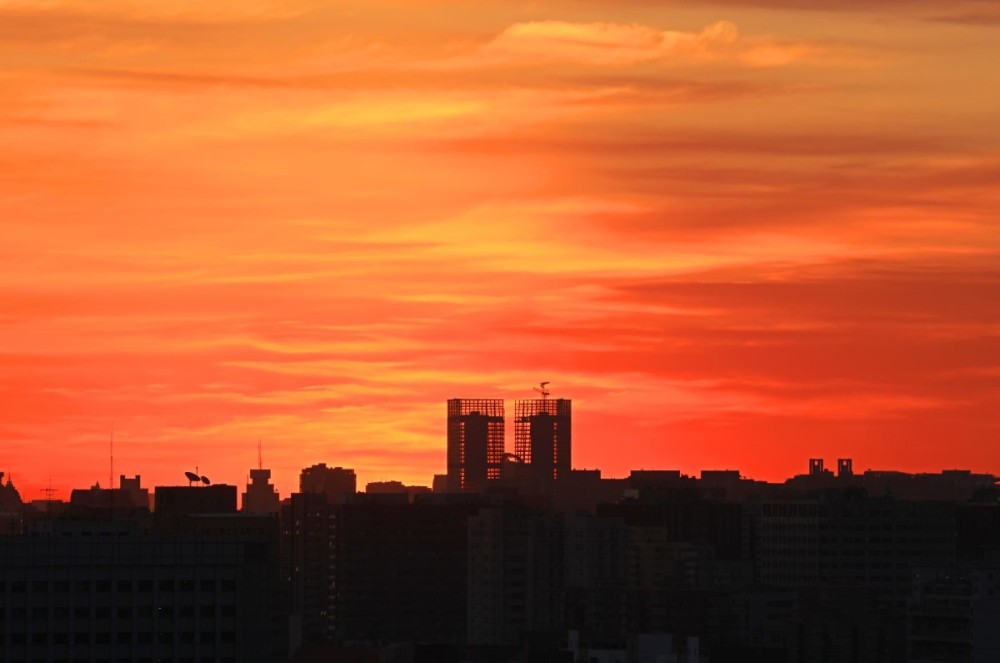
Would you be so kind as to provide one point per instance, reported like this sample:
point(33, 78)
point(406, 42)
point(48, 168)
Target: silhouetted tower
point(816, 467)
point(543, 435)
point(337, 483)
point(475, 442)
point(261, 497)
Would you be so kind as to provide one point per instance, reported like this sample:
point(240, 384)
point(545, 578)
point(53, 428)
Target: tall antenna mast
point(49, 491)
point(111, 476)
point(260, 459)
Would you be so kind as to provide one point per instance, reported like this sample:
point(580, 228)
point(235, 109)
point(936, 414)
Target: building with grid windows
point(475, 442)
point(543, 436)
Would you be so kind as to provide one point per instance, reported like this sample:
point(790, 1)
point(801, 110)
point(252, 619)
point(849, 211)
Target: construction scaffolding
point(543, 435)
point(475, 442)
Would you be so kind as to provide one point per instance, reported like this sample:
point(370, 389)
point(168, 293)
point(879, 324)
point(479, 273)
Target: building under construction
point(543, 436)
point(475, 442)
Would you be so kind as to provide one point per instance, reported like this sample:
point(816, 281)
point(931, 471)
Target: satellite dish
point(191, 476)
point(205, 481)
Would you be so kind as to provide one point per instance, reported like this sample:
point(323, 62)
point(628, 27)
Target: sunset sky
point(737, 234)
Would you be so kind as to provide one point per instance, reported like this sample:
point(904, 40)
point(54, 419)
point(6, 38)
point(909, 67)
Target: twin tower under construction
point(476, 453)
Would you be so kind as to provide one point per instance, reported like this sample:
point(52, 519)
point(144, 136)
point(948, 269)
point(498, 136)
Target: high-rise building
point(260, 497)
point(543, 436)
point(307, 539)
point(337, 483)
point(475, 442)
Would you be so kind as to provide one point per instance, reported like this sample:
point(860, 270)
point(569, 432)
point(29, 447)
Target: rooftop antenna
point(541, 388)
point(260, 460)
point(50, 491)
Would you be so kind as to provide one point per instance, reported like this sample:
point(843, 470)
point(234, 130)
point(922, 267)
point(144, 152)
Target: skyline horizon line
point(682, 474)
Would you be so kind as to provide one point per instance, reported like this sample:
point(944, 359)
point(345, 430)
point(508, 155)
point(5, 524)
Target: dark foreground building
point(106, 593)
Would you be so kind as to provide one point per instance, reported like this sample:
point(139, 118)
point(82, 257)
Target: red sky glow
point(737, 234)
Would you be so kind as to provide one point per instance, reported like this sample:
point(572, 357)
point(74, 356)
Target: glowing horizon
point(736, 234)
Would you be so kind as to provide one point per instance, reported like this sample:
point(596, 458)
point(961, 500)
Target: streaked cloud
point(620, 44)
point(312, 223)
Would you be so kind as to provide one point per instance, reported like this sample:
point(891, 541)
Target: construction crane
point(541, 388)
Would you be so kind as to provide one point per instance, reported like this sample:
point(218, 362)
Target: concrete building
point(475, 442)
point(543, 436)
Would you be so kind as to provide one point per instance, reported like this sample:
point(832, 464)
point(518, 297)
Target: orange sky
point(736, 234)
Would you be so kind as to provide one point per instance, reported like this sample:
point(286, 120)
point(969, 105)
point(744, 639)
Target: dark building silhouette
point(337, 483)
point(845, 467)
point(110, 589)
point(542, 563)
point(10, 498)
point(260, 496)
point(543, 436)
point(401, 570)
point(307, 558)
point(953, 614)
point(515, 578)
point(130, 496)
point(186, 500)
point(395, 488)
point(475, 442)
